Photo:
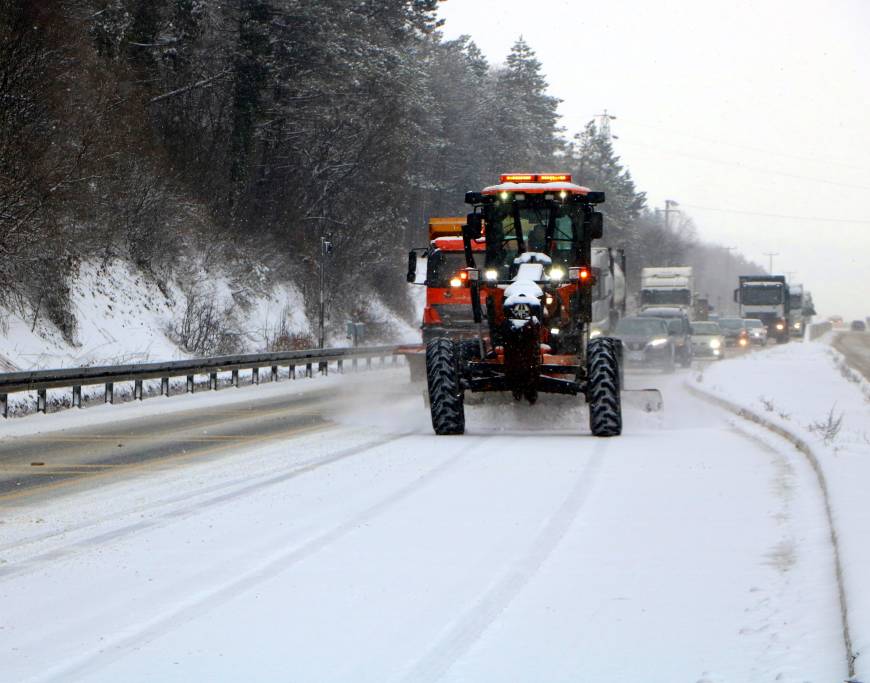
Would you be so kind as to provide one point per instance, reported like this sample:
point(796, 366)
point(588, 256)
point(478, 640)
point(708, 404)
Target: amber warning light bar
point(535, 178)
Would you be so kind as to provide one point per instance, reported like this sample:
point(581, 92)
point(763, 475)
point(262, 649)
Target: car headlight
point(780, 326)
point(661, 341)
point(797, 326)
point(556, 273)
point(594, 333)
point(715, 343)
point(491, 274)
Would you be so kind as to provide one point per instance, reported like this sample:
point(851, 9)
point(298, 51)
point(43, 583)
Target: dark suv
point(679, 331)
point(645, 342)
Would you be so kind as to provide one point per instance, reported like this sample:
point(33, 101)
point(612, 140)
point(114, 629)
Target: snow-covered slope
point(123, 316)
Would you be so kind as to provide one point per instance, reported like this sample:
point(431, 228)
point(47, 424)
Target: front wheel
point(446, 398)
point(602, 390)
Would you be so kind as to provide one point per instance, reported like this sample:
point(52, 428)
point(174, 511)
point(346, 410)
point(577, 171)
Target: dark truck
point(765, 298)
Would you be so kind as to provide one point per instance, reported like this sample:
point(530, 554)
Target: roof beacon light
point(535, 178)
point(517, 177)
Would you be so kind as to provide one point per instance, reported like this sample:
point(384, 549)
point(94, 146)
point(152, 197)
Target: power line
point(822, 160)
point(815, 219)
point(747, 167)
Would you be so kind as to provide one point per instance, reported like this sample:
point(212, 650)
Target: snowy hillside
point(122, 316)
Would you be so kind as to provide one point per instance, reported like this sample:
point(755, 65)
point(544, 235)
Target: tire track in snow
point(206, 601)
point(238, 488)
point(468, 629)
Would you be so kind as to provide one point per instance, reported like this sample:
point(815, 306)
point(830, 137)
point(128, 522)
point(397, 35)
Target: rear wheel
point(445, 392)
point(602, 392)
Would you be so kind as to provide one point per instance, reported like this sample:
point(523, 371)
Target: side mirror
point(412, 267)
point(473, 226)
point(595, 225)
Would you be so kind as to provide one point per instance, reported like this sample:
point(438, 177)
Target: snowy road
point(368, 549)
point(856, 347)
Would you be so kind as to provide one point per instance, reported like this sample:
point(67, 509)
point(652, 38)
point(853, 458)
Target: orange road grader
point(527, 281)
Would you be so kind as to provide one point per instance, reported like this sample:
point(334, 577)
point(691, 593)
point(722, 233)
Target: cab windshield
point(534, 220)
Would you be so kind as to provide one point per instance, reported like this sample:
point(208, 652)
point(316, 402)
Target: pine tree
point(594, 163)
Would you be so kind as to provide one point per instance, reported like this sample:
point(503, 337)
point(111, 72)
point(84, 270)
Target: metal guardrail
point(42, 380)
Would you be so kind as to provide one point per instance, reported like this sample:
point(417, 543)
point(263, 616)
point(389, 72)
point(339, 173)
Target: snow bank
point(807, 390)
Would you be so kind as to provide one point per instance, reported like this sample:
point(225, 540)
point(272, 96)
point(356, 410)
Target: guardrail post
point(395, 360)
point(137, 390)
point(292, 371)
point(4, 405)
point(212, 381)
point(236, 379)
point(274, 374)
point(340, 367)
point(308, 371)
point(324, 367)
point(190, 384)
point(40, 401)
point(255, 375)
point(369, 363)
point(77, 396)
point(164, 386)
point(353, 365)
point(109, 394)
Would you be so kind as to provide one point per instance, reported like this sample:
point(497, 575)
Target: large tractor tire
point(446, 399)
point(602, 392)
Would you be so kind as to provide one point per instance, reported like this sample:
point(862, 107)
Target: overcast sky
point(734, 110)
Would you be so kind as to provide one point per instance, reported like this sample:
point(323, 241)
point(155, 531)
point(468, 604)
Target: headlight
point(455, 282)
point(594, 333)
point(743, 341)
point(554, 330)
point(556, 273)
point(780, 326)
point(491, 274)
point(797, 326)
point(715, 343)
point(661, 341)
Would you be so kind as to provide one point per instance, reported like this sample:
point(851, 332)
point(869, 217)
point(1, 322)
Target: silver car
point(708, 340)
point(757, 331)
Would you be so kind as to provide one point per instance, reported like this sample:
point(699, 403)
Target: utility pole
point(770, 255)
point(728, 250)
point(602, 126)
point(325, 250)
point(668, 210)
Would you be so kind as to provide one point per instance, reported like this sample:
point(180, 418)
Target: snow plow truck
point(527, 248)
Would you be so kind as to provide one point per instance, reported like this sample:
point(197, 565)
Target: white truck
point(671, 287)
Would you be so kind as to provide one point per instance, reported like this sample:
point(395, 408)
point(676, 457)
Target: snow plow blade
point(648, 400)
